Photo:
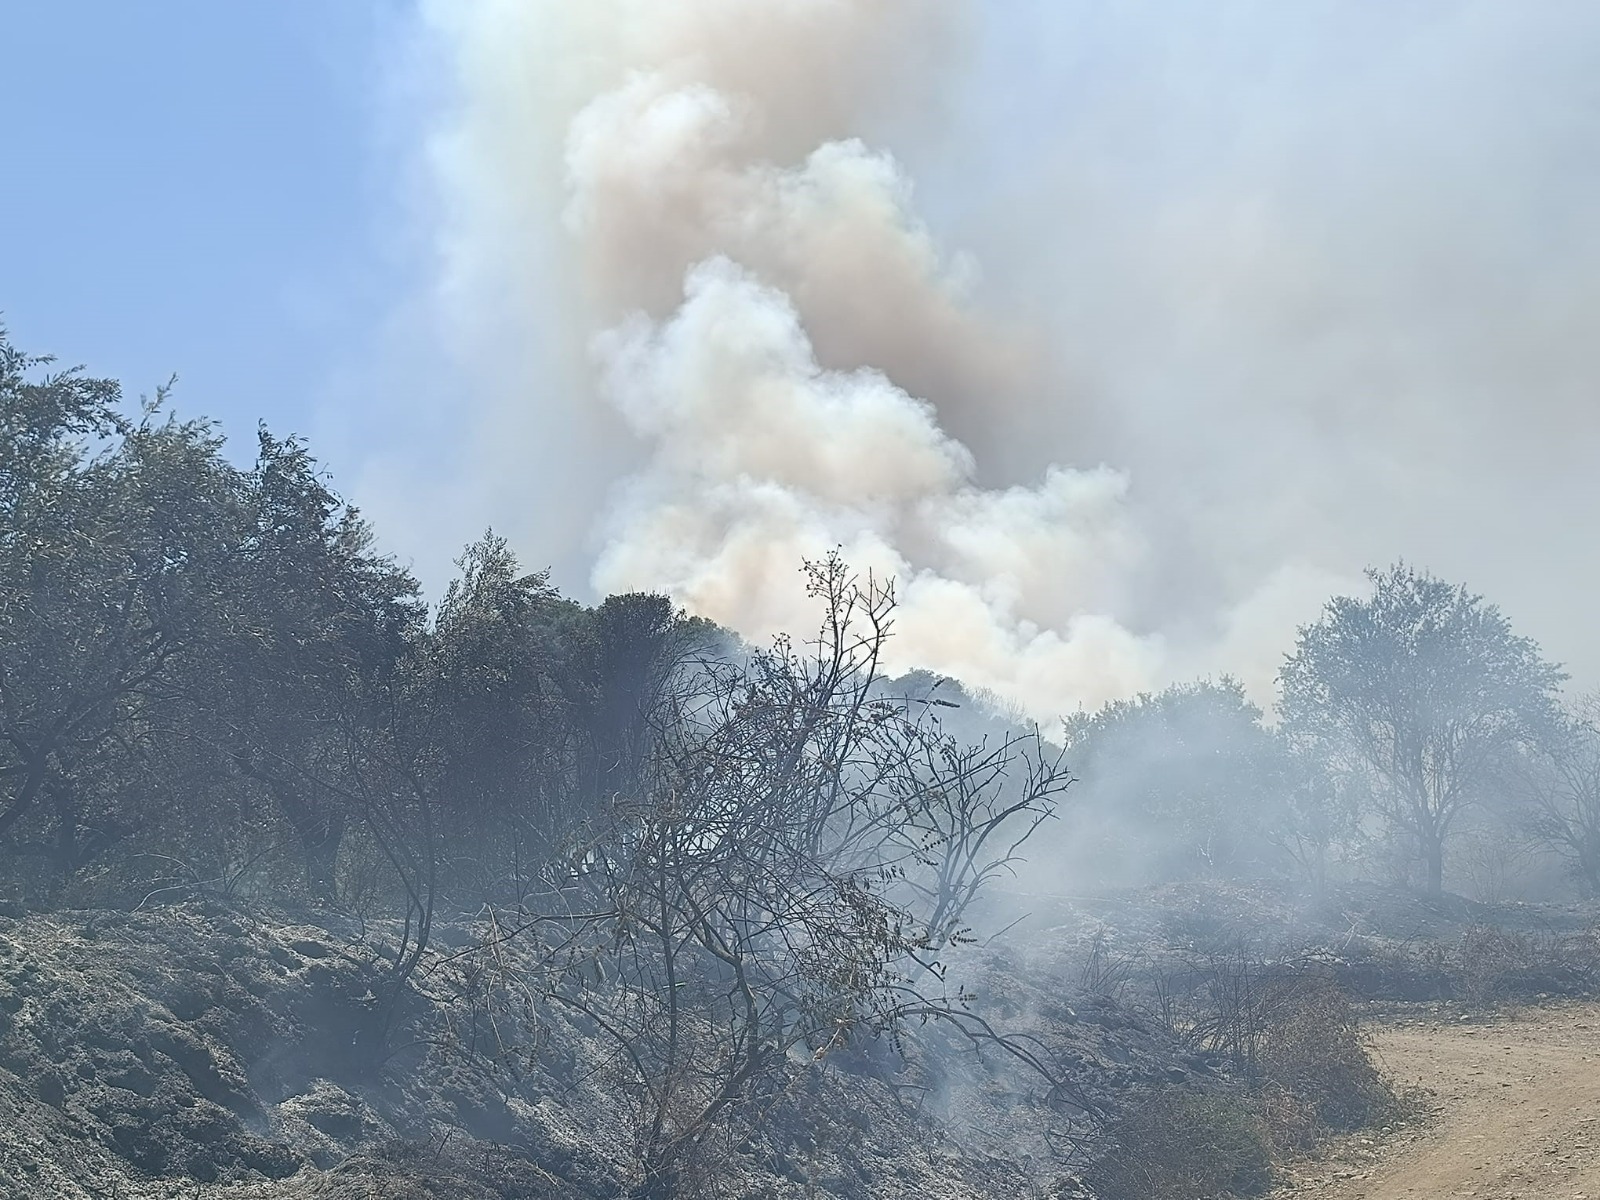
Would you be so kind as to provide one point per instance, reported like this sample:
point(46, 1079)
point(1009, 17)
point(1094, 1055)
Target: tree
point(778, 880)
point(313, 618)
point(636, 642)
point(503, 644)
point(1188, 775)
point(116, 537)
point(1316, 811)
point(1424, 694)
point(1563, 778)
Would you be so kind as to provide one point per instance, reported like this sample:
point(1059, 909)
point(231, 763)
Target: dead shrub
point(1313, 1052)
point(1488, 961)
point(1107, 970)
point(1289, 1034)
point(1290, 1120)
point(1184, 1145)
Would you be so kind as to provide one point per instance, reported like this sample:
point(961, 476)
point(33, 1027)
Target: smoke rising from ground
point(1290, 275)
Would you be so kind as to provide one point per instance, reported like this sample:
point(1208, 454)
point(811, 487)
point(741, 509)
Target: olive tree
point(312, 618)
point(1423, 693)
point(117, 535)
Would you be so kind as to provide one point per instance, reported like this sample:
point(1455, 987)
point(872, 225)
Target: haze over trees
point(729, 859)
point(1187, 777)
point(1424, 695)
point(1563, 782)
point(722, 855)
point(208, 673)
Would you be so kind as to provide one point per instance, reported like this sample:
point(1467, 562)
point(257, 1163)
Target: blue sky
point(196, 188)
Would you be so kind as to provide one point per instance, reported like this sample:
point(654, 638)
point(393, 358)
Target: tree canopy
point(1423, 690)
point(1179, 781)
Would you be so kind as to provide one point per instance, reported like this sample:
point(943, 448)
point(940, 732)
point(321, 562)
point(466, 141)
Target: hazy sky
point(1319, 280)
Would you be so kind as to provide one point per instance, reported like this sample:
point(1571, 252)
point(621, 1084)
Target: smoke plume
point(1260, 282)
point(784, 337)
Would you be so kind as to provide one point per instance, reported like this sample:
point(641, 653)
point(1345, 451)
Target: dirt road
point(1518, 1104)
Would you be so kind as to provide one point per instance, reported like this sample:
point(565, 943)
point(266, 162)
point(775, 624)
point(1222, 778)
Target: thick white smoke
point(762, 457)
point(780, 332)
point(1315, 278)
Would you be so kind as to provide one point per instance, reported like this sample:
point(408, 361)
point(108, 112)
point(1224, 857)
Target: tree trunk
point(320, 827)
point(660, 1181)
point(1589, 867)
point(65, 803)
point(322, 857)
point(1433, 851)
point(1317, 869)
point(32, 785)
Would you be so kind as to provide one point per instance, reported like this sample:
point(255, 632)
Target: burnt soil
point(214, 1048)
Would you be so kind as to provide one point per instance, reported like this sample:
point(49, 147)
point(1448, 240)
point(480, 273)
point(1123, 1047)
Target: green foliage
point(289, 667)
point(209, 674)
point(116, 547)
point(501, 673)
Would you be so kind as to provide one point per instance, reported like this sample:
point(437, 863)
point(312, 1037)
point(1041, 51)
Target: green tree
point(1424, 694)
point(116, 538)
point(314, 617)
point(636, 642)
point(503, 647)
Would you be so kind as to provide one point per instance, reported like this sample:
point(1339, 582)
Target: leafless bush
point(1283, 1023)
point(1491, 964)
point(1492, 860)
point(797, 853)
point(1486, 960)
point(1224, 998)
point(1290, 1121)
point(1106, 971)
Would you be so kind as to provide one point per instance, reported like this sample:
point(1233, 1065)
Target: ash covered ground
point(215, 1048)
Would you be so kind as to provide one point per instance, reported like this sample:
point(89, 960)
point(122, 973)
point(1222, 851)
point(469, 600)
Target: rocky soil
point(213, 1048)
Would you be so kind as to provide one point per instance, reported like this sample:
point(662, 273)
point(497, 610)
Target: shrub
point(1489, 957)
point(1312, 1051)
point(1185, 1145)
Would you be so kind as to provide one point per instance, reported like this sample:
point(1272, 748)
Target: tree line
point(208, 670)
point(730, 862)
point(1413, 724)
point(209, 673)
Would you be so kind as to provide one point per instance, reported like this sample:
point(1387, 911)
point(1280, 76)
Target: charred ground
point(214, 1047)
